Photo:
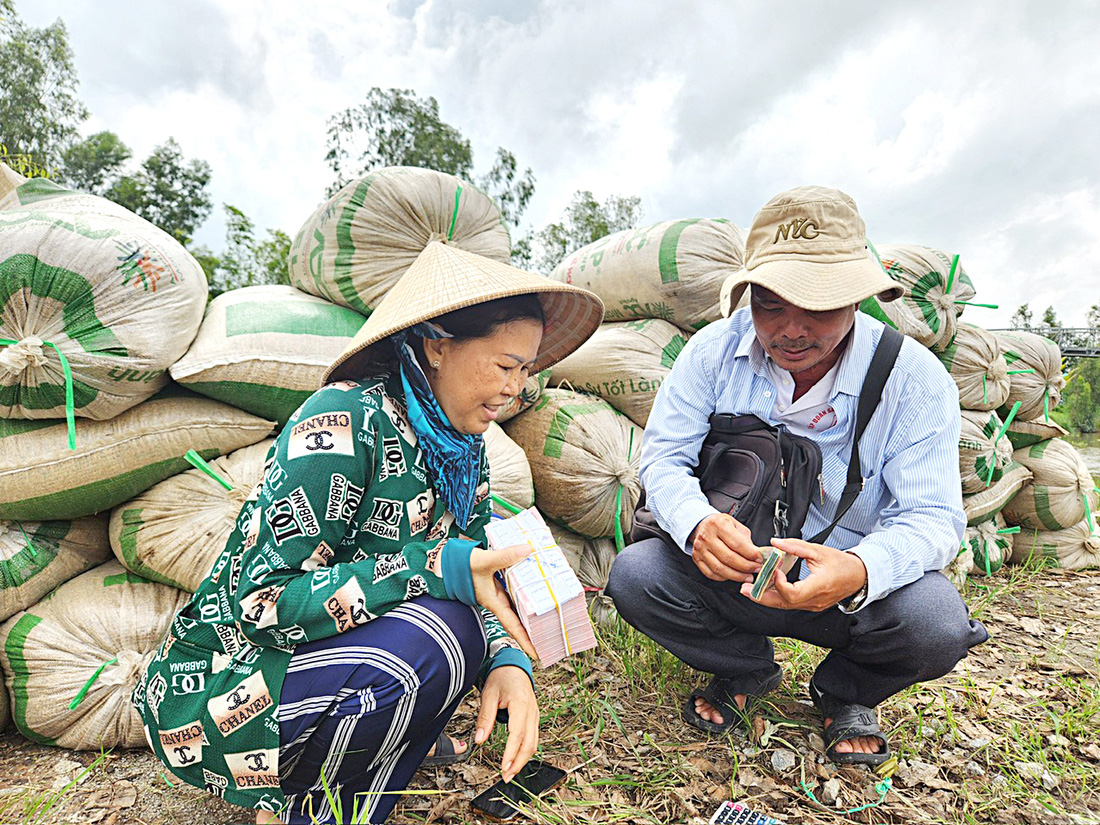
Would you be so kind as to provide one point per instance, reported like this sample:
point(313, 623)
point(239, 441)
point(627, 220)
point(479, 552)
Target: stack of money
point(545, 591)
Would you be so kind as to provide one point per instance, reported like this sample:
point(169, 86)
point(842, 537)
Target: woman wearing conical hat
point(354, 605)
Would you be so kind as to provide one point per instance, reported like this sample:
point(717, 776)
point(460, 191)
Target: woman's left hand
point(509, 687)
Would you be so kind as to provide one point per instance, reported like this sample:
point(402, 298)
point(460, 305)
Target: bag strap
point(882, 363)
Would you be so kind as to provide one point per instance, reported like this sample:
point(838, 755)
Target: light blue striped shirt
point(907, 520)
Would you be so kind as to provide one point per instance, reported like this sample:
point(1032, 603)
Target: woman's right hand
point(490, 594)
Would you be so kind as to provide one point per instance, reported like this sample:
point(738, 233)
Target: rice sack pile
point(86, 647)
point(94, 302)
point(264, 349)
point(624, 363)
point(359, 242)
point(175, 531)
point(671, 270)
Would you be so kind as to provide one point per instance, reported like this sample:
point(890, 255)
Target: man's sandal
point(849, 720)
point(445, 753)
point(719, 693)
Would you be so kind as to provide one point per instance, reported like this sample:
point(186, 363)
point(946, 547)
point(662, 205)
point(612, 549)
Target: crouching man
point(797, 356)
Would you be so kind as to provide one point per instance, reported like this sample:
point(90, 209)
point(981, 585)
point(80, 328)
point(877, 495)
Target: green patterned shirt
point(342, 528)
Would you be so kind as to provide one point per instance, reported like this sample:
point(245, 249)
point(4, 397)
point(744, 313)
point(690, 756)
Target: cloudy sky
point(970, 127)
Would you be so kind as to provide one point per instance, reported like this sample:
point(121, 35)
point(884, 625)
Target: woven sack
point(983, 505)
point(358, 243)
point(984, 452)
point(672, 270)
point(10, 181)
point(584, 457)
point(624, 363)
point(1061, 491)
point(1035, 367)
point(510, 480)
point(264, 348)
point(5, 709)
point(974, 360)
point(988, 545)
point(41, 479)
point(1025, 433)
point(591, 560)
point(90, 641)
point(934, 294)
point(532, 389)
point(35, 557)
point(120, 299)
point(175, 531)
point(1074, 548)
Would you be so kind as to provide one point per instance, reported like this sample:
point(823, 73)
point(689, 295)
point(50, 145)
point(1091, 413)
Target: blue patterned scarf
point(454, 458)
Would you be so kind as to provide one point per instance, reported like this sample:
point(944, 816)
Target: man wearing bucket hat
point(797, 357)
point(353, 608)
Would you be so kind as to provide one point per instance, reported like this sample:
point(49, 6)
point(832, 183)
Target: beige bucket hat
point(444, 278)
point(809, 246)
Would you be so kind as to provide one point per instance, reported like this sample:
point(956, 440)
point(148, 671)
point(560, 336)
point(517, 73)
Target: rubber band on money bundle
point(553, 596)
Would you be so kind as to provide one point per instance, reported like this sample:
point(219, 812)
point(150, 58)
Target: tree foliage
point(585, 220)
point(247, 260)
point(39, 109)
point(1081, 397)
point(95, 164)
point(1021, 318)
point(395, 127)
point(167, 191)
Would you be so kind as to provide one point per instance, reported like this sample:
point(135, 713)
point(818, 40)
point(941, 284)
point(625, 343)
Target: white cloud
point(968, 127)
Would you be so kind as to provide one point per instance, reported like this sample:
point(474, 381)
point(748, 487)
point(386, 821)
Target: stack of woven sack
point(1025, 491)
point(96, 304)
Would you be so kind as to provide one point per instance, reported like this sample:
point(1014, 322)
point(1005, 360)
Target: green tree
point(1092, 319)
point(585, 220)
point(95, 164)
point(167, 191)
point(248, 260)
point(1021, 318)
point(1050, 318)
point(1081, 397)
point(39, 108)
point(394, 127)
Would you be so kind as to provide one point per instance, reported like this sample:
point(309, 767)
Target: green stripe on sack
point(919, 294)
point(1037, 450)
point(870, 306)
point(132, 523)
point(672, 350)
point(35, 556)
point(18, 426)
point(96, 495)
point(666, 254)
point(1041, 494)
point(559, 424)
point(20, 673)
point(289, 317)
point(39, 189)
point(125, 578)
point(272, 403)
point(345, 249)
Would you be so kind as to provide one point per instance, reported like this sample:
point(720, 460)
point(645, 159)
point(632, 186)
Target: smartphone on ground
point(502, 801)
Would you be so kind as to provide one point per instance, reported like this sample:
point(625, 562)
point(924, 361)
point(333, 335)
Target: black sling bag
point(764, 476)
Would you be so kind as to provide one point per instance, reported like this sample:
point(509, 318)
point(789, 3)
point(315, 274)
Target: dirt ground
point(959, 762)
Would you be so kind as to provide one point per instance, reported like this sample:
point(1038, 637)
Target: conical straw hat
point(445, 278)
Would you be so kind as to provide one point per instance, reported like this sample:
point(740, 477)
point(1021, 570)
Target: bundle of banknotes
point(546, 593)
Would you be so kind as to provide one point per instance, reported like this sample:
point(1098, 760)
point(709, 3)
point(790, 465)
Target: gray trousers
point(917, 633)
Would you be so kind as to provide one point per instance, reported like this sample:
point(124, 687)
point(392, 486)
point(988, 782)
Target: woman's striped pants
point(360, 710)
